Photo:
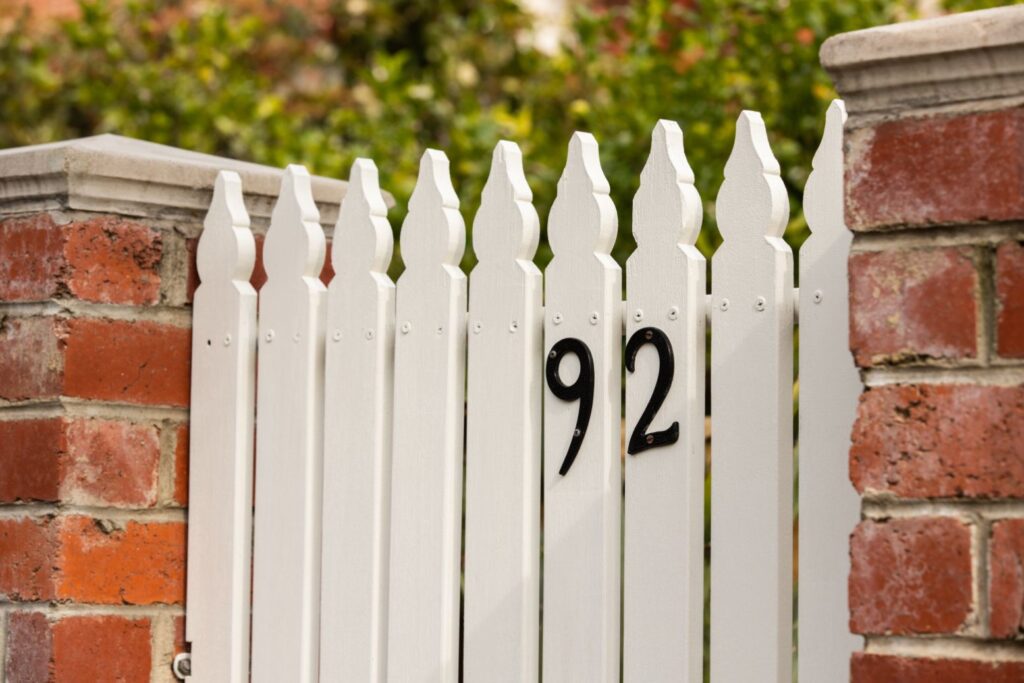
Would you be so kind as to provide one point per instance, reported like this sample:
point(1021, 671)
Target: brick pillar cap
point(115, 174)
point(957, 58)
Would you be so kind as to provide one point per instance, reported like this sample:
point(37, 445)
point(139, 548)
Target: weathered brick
point(936, 170)
point(26, 559)
point(31, 357)
point(1009, 291)
point(133, 563)
point(32, 265)
point(910, 576)
point(872, 668)
point(113, 260)
point(1006, 579)
point(940, 441)
point(30, 459)
point(29, 656)
point(109, 462)
point(181, 466)
point(87, 649)
point(127, 361)
point(913, 305)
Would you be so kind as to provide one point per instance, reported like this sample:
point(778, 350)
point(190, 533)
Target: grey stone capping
point(970, 57)
point(124, 176)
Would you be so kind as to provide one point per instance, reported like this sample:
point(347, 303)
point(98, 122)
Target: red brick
point(26, 559)
point(1006, 579)
point(32, 264)
point(913, 305)
point(30, 459)
point(111, 463)
point(29, 657)
point(1010, 300)
point(87, 649)
point(910, 576)
point(871, 668)
point(127, 361)
point(181, 466)
point(940, 441)
point(31, 357)
point(111, 563)
point(936, 170)
point(112, 260)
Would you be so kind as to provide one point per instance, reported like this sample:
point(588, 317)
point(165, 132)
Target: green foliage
point(388, 78)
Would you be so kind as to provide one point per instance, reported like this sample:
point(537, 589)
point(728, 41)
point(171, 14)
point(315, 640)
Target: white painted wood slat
point(829, 389)
point(503, 433)
point(583, 501)
point(426, 494)
point(752, 426)
point(221, 441)
point(663, 580)
point(357, 437)
point(289, 441)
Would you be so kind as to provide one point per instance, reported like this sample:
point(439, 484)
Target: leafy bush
point(388, 78)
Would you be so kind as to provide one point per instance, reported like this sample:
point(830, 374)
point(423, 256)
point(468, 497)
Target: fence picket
point(752, 419)
point(829, 389)
point(289, 441)
point(221, 443)
point(503, 478)
point(663, 579)
point(430, 350)
point(357, 437)
point(582, 489)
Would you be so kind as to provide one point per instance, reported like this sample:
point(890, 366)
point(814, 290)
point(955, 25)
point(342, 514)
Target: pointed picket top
point(295, 243)
point(507, 225)
point(583, 218)
point(667, 208)
point(823, 193)
point(362, 226)
point(226, 250)
point(434, 232)
point(753, 201)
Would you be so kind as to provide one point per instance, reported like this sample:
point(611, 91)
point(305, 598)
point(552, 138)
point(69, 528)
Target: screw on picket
point(336, 336)
point(513, 326)
point(369, 335)
point(594, 318)
point(673, 313)
point(818, 296)
point(227, 340)
point(406, 327)
point(269, 336)
point(638, 315)
point(759, 304)
point(557, 318)
point(724, 305)
point(477, 326)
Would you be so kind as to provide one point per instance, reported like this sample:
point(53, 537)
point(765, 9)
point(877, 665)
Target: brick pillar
point(97, 245)
point(935, 196)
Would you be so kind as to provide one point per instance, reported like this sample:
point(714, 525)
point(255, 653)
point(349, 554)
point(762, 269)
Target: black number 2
point(581, 390)
point(639, 440)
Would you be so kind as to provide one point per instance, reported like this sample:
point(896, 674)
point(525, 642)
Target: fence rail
point(367, 390)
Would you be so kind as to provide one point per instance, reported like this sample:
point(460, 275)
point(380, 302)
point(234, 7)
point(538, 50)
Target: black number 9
point(638, 440)
point(581, 390)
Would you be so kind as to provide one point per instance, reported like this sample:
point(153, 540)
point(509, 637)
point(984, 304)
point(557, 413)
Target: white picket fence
point(367, 390)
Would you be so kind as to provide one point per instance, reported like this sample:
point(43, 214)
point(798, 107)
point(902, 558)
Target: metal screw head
point(227, 340)
point(575, 432)
point(182, 665)
point(269, 336)
point(638, 315)
point(724, 305)
point(336, 336)
point(440, 330)
point(818, 296)
point(477, 326)
point(594, 318)
point(648, 334)
point(650, 438)
point(673, 313)
point(557, 318)
point(552, 355)
point(369, 335)
point(760, 303)
point(406, 327)
point(513, 326)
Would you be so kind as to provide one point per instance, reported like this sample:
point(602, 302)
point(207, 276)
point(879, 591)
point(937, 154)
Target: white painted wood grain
point(663, 580)
point(829, 389)
point(221, 441)
point(752, 419)
point(357, 437)
point(582, 510)
point(426, 493)
point(289, 441)
point(503, 433)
